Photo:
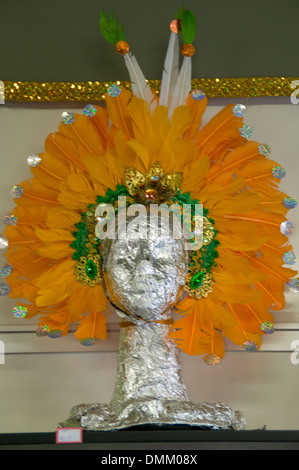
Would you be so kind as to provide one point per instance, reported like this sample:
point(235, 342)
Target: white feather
point(140, 86)
point(171, 70)
point(183, 85)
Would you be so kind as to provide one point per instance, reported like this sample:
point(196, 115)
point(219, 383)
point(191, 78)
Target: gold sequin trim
point(195, 267)
point(94, 91)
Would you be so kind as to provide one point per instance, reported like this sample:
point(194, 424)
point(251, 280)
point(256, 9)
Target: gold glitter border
point(94, 91)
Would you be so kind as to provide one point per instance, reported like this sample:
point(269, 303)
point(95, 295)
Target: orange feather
point(222, 131)
point(101, 121)
point(54, 284)
point(118, 112)
point(62, 149)
point(239, 333)
point(93, 325)
point(197, 110)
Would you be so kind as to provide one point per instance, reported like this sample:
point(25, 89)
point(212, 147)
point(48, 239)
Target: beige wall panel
point(38, 390)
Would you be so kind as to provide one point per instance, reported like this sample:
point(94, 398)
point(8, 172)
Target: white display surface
point(42, 378)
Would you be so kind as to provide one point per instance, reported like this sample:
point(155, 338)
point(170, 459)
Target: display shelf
point(159, 438)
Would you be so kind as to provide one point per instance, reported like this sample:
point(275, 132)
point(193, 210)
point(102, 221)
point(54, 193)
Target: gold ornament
point(154, 186)
point(89, 270)
point(122, 47)
point(188, 50)
point(175, 26)
point(199, 283)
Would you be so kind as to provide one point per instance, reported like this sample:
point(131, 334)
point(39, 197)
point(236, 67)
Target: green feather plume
point(111, 29)
point(188, 25)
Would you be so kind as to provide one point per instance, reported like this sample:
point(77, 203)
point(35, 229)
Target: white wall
point(41, 379)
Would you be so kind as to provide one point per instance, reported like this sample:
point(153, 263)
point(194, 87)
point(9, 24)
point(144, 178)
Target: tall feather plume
point(183, 86)
point(140, 86)
point(170, 71)
point(183, 83)
point(113, 32)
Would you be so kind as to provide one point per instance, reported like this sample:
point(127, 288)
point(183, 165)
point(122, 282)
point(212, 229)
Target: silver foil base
point(101, 417)
point(149, 389)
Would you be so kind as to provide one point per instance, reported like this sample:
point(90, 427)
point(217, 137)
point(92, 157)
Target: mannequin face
point(145, 276)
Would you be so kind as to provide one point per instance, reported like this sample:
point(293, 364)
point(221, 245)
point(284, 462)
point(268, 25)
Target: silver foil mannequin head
point(144, 276)
point(144, 272)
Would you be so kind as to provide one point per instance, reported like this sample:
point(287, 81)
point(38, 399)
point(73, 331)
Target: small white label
point(68, 435)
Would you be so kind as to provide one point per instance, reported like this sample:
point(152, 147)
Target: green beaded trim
point(86, 244)
point(207, 253)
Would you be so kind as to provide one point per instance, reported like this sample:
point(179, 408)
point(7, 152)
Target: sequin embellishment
point(19, 312)
point(34, 160)
point(90, 110)
point(246, 132)
point(6, 270)
point(16, 192)
point(239, 110)
point(264, 149)
point(286, 227)
point(289, 258)
point(278, 172)
point(293, 285)
point(113, 90)
point(67, 117)
point(289, 202)
point(197, 94)
point(4, 289)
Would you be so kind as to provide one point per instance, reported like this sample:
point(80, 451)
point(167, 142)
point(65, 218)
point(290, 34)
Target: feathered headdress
point(153, 148)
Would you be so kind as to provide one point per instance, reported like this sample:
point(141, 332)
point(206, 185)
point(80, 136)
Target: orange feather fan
point(221, 169)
